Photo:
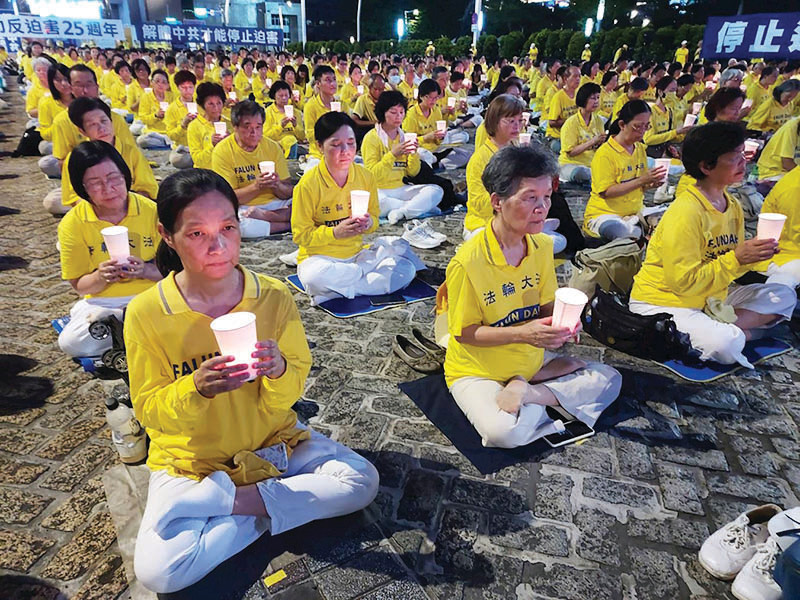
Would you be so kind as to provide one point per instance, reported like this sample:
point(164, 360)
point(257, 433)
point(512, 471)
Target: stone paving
point(619, 517)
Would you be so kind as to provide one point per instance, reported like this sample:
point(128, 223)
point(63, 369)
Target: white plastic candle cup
point(191, 107)
point(665, 163)
point(347, 81)
point(163, 106)
point(268, 81)
point(750, 146)
point(267, 167)
point(288, 110)
point(237, 336)
point(526, 118)
point(336, 106)
point(360, 89)
point(451, 102)
point(524, 139)
point(232, 95)
point(770, 226)
point(116, 239)
point(743, 87)
point(484, 77)
point(220, 128)
point(710, 85)
point(148, 90)
point(296, 95)
point(359, 203)
point(696, 106)
point(568, 307)
point(416, 93)
point(441, 126)
point(748, 102)
point(690, 120)
point(410, 137)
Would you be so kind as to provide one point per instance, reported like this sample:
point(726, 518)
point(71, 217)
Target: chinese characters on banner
point(767, 36)
point(212, 35)
point(103, 32)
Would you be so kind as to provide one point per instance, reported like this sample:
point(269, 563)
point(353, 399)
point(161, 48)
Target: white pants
point(153, 139)
point(457, 158)
point(50, 166)
point(258, 228)
point(575, 173)
point(187, 528)
point(52, 203)
point(585, 394)
point(75, 339)
point(723, 342)
point(409, 201)
point(787, 274)
point(180, 158)
point(136, 128)
point(612, 227)
point(45, 147)
point(386, 266)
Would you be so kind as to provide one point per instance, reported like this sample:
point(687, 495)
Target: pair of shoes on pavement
point(745, 550)
point(419, 352)
point(421, 234)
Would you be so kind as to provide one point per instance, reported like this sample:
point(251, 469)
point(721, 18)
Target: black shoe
point(432, 348)
point(433, 276)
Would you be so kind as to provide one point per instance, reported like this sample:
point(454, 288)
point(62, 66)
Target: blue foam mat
point(345, 308)
point(755, 351)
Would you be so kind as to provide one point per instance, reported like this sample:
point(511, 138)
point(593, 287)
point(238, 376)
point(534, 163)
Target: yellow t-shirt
point(313, 110)
point(134, 96)
point(83, 249)
point(34, 95)
point(387, 169)
point(783, 199)
point(108, 81)
point(479, 206)
point(612, 165)
point(166, 341)
point(149, 105)
point(407, 91)
point(198, 137)
point(607, 102)
point(480, 135)
point(682, 55)
point(695, 92)
point(575, 132)
point(417, 122)
point(365, 108)
point(66, 136)
point(680, 108)
point(176, 113)
point(49, 109)
point(757, 94)
point(483, 289)
point(348, 94)
point(286, 136)
point(770, 115)
point(320, 204)
point(240, 168)
point(142, 179)
point(662, 126)
point(784, 144)
point(561, 107)
point(690, 257)
point(244, 85)
point(542, 88)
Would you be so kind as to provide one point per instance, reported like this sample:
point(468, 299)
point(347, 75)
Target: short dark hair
point(80, 106)
point(685, 79)
point(123, 64)
point(208, 90)
point(330, 123)
point(323, 70)
point(51, 75)
point(389, 100)
point(140, 62)
point(248, 60)
point(512, 163)
point(607, 77)
point(89, 154)
point(81, 68)
point(638, 84)
point(428, 86)
point(585, 92)
point(720, 99)
point(705, 144)
point(261, 64)
point(456, 76)
point(790, 85)
point(277, 87)
point(246, 108)
point(182, 77)
point(170, 60)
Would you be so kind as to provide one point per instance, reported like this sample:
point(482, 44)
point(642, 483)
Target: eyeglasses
point(640, 128)
point(112, 182)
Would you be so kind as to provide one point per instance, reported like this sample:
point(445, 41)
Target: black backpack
point(654, 337)
point(29, 144)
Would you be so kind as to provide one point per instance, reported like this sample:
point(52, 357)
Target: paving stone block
point(488, 497)
point(757, 488)
point(18, 472)
point(516, 533)
point(598, 540)
point(360, 575)
point(404, 589)
point(710, 459)
point(399, 406)
point(568, 583)
point(77, 467)
point(21, 441)
point(74, 512)
point(75, 557)
point(364, 433)
point(21, 506)
point(23, 417)
point(424, 431)
point(64, 443)
point(725, 510)
point(454, 544)
point(108, 580)
point(787, 448)
point(330, 550)
point(753, 457)
point(19, 550)
point(553, 497)
point(503, 573)
point(654, 575)
point(689, 534)
point(393, 461)
point(634, 459)
point(438, 459)
point(421, 496)
point(581, 458)
point(342, 407)
point(619, 492)
point(681, 489)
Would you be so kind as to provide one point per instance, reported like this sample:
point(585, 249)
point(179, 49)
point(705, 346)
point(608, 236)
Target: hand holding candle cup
point(220, 128)
point(526, 119)
point(296, 95)
point(750, 149)
point(359, 203)
point(191, 107)
point(147, 90)
point(690, 120)
point(288, 110)
point(232, 96)
point(568, 307)
point(237, 336)
point(770, 226)
point(663, 163)
point(163, 106)
point(441, 126)
point(360, 89)
point(116, 240)
point(451, 102)
point(267, 167)
point(748, 102)
point(411, 138)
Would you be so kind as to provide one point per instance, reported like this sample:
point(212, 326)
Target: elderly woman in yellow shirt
point(608, 94)
point(245, 81)
point(102, 180)
point(287, 130)
point(37, 89)
point(390, 156)
point(619, 176)
point(775, 111)
point(332, 260)
point(581, 134)
point(665, 130)
point(562, 106)
point(501, 288)
point(229, 459)
point(201, 134)
point(698, 250)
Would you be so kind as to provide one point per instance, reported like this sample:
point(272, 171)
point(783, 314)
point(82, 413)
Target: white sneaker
point(289, 259)
point(663, 194)
point(428, 228)
point(418, 237)
point(729, 548)
point(754, 581)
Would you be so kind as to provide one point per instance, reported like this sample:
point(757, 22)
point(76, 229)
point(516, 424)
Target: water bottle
point(127, 434)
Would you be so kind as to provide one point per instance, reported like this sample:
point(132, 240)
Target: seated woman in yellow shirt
point(287, 130)
point(391, 157)
point(153, 110)
point(633, 91)
point(501, 288)
point(318, 105)
point(782, 152)
point(244, 81)
point(581, 134)
point(775, 111)
point(784, 267)
point(178, 117)
point(332, 260)
point(608, 94)
point(265, 194)
point(201, 134)
point(353, 89)
point(698, 250)
point(102, 180)
point(619, 176)
point(297, 95)
point(52, 104)
point(229, 460)
point(37, 88)
point(137, 88)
